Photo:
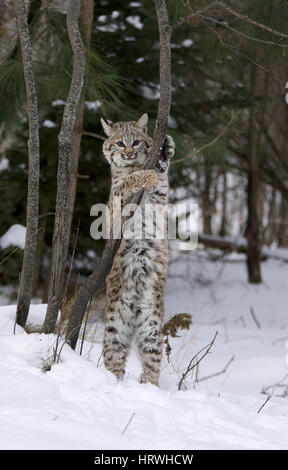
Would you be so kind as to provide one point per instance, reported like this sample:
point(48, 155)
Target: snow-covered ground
point(79, 405)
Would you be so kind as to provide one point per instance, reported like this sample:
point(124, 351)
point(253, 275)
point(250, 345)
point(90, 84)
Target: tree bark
point(97, 280)
point(206, 201)
point(61, 234)
point(252, 230)
point(223, 225)
point(26, 279)
point(283, 223)
point(86, 19)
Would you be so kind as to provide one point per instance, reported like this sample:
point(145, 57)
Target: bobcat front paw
point(169, 147)
point(166, 155)
point(150, 180)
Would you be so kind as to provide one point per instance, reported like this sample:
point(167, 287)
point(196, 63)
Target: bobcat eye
point(120, 143)
point(135, 143)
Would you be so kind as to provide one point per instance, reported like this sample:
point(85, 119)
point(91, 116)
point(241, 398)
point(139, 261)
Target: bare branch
point(93, 134)
point(251, 21)
point(223, 371)
point(235, 13)
point(255, 318)
point(187, 18)
point(192, 365)
point(240, 33)
point(262, 406)
point(209, 144)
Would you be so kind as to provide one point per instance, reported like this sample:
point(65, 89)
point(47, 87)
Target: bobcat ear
point(142, 122)
point(106, 126)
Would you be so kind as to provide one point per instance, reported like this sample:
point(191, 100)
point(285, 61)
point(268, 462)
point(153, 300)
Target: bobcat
point(134, 287)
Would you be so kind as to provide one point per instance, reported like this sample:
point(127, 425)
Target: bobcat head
point(127, 143)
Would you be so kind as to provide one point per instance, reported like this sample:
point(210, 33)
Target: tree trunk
point(26, 280)
point(61, 234)
point(223, 224)
point(270, 230)
point(252, 230)
point(97, 280)
point(206, 201)
point(86, 19)
point(283, 223)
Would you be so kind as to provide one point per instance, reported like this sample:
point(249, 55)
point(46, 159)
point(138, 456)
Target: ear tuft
point(106, 126)
point(142, 122)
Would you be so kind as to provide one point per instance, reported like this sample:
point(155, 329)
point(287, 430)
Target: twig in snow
point(284, 338)
point(85, 326)
point(223, 371)
point(255, 318)
point(124, 430)
point(191, 364)
point(274, 387)
point(267, 399)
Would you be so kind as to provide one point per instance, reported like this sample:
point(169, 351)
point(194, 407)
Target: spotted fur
point(134, 287)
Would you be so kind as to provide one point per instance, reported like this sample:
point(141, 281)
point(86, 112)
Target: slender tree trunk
point(26, 280)
point(40, 244)
point(97, 279)
point(270, 233)
point(283, 223)
point(206, 201)
point(61, 234)
point(223, 224)
point(86, 19)
point(252, 231)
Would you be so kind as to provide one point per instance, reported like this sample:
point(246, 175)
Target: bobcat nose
point(129, 152)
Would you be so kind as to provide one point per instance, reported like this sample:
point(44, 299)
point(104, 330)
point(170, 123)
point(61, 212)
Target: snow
point(15, 236)
point(151, 91)
point(58, 103)
point(4, 163)
point(135, 21)
point(49, 123)
point(78, 404)
point(187, 42)
point(93, 105)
